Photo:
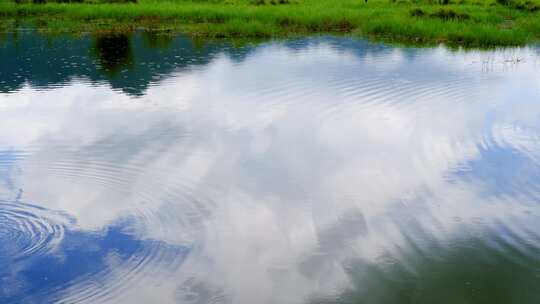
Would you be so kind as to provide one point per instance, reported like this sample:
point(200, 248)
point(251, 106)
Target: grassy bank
point(461, 22)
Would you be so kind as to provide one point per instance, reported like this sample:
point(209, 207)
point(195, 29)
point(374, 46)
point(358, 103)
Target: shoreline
point(474, 24)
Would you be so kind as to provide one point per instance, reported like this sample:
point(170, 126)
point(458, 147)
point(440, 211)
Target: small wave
point(27, 230)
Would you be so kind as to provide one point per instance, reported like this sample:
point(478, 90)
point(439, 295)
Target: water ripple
point(27, 231)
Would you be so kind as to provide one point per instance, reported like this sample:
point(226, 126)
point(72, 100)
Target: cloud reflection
point(323, 170)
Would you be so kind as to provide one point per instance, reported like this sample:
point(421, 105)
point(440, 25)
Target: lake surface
point(148, 168)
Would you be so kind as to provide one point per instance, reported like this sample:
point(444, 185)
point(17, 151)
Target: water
point(147, 168)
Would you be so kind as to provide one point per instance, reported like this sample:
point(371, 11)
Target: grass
point(464, 22)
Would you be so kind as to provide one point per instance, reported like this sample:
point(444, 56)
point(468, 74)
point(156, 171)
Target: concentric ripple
point(28, 231)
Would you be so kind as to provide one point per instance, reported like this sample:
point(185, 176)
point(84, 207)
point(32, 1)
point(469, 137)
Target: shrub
point(448, 14)
point(417, 12)
point(525, 6)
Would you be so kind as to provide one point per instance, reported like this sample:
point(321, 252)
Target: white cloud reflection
point(276, 171)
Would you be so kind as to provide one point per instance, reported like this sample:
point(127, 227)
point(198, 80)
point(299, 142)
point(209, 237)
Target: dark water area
point(151, 168)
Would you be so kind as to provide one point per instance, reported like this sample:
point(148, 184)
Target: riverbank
point(467, 23)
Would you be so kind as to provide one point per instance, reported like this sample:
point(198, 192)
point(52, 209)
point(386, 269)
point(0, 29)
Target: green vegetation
point(455, 22)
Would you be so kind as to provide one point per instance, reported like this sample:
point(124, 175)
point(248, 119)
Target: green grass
point(463, 22)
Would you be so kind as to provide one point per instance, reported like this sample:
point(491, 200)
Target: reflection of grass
point(471, 270)
point(469, 22)
point(113, 52)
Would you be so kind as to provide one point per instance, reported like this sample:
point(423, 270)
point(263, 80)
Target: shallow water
point(155, 169)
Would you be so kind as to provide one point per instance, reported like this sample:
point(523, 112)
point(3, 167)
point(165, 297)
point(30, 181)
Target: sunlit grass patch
point(462, 22)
